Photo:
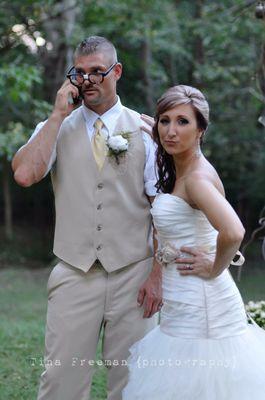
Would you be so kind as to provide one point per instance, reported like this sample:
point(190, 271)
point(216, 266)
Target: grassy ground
point(22, 323)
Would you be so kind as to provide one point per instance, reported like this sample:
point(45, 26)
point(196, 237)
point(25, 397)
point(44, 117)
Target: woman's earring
point(198, 149)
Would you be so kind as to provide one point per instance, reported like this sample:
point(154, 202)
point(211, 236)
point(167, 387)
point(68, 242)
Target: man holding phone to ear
point(106, 277)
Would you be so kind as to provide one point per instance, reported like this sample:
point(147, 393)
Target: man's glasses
point(78, 78)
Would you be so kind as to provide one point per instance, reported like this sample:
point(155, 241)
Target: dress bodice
point(177, 222)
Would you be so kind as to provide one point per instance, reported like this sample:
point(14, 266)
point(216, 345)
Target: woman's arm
point(202, 192)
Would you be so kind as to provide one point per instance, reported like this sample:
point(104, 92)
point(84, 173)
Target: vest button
point(100, 186)
point(99, 227)
point(99, 206)
point(99, 247)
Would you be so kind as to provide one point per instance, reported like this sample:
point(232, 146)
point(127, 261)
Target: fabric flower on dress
point(167, 254)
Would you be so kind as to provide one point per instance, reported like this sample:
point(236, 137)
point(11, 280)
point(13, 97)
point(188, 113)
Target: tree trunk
point(7, 200)
point(58, 32)
point(173, 70)
point(261, 74)
point(147, 79)
point(198, 50)
point(261, 71)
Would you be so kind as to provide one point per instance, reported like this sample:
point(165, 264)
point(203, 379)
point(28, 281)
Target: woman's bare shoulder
point(206, 171)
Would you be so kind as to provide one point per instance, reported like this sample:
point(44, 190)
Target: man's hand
point(150, 294)
point(199, 263)
point(62, 105)
point(149, 123)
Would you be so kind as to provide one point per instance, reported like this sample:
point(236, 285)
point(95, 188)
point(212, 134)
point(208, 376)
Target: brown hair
point(176, 95)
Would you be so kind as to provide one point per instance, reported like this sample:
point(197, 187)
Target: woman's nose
point(172, 131)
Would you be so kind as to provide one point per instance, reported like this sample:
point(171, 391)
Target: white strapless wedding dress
point(204, 348)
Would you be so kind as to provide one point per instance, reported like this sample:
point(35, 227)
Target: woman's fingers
point(148, 120)
point(147, 130)
point(180, 260)
point(149, 123)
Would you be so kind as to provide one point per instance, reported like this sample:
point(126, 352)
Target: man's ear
point(118, 71)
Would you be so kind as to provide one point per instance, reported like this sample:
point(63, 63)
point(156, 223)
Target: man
point(103, 227)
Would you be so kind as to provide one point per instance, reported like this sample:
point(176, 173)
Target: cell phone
point(76, 100)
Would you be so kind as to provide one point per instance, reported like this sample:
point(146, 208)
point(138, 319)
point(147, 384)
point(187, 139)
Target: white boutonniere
point(118, 145)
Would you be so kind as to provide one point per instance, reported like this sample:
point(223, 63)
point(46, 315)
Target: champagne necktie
point(99, 147)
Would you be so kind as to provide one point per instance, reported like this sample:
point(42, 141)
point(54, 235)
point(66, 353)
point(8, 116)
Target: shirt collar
point(108, 118)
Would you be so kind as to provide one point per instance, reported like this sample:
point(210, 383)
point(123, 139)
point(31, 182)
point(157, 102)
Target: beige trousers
point(79, 305)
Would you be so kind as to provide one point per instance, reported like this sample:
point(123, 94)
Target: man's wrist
point(57, 116)
point(156, 267)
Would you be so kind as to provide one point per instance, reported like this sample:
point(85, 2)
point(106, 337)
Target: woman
point(204, 348)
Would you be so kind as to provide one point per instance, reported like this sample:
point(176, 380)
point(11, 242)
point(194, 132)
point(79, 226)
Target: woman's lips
point(171, 143)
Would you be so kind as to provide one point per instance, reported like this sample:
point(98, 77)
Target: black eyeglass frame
point(87, 76)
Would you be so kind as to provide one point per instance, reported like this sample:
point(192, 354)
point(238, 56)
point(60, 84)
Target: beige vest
point(100, 215)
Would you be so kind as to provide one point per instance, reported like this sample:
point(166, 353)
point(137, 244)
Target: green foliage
point(16, 86)
point(31, 250)
point(17, 83)
point(130, 24)
point(256, 311)
point(12, 139)
point(213, 45)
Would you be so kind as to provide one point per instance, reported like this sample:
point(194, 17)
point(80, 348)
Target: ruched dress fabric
point(204, 347)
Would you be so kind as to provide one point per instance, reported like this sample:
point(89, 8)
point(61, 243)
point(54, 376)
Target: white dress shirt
point(109, 119)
